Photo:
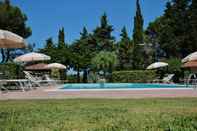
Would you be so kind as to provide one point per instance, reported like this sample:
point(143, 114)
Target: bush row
point(139, 76)
point(73, 78)
point(10, 70)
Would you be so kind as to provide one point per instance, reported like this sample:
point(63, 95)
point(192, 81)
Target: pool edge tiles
point(123, 89)
point(120, 86)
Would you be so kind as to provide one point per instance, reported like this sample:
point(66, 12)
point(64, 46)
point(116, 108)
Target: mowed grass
point(99, 115)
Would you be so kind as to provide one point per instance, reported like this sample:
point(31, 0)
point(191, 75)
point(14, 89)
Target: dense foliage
point(175, 68)
point(14, 20)
point(83, 52)
point(175, 31)
point(125, 50)
point(174, 65)
point(104, 61)
point(139, 76)
point(103, 35)
point(60, 52)
point(11, 71)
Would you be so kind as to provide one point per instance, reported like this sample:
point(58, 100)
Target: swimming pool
point(121, 86)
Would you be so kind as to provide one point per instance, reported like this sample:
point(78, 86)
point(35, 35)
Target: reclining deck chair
point(37, 81)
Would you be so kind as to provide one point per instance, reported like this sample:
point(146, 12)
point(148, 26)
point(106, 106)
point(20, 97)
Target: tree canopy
point(125, 48)
point(14, 20)
point(104, 61)
point(175, 30)
point(103, 35)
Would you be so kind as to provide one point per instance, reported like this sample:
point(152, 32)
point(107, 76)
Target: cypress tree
point(61, 38)
point(138, 38)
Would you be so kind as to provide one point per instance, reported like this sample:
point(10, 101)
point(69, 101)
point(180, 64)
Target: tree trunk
point(110, 74)
point(65, 77)
point(104, 71)
point(78, 75)
point(85, 76)
point(8, 55)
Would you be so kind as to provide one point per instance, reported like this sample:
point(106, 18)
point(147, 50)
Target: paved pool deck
point(54, 93)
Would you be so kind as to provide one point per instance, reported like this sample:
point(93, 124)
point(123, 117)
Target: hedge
point(73, 78)
point(11, 71)
point(137, 76)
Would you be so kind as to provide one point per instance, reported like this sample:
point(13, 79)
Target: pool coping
point(122, 89)
point(56, 93)
point(174, 87)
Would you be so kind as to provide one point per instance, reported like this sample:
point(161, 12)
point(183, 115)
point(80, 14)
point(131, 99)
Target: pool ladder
point(192, 83)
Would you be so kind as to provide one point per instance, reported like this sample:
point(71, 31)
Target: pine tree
point(82, 54)
point(49, 49)
point(103, 35)
point(7, 3)
point(174, 36)
point(14, 20)
point(138, 38)
point(84, 33)
point(49, 43)
point(124, 50)
point(193, 23)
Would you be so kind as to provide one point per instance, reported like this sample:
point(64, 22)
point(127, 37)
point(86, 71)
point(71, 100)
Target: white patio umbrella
point(157, 65)
point(55, 66)
point(190, 57)
point(30, 57)
point(11, 40)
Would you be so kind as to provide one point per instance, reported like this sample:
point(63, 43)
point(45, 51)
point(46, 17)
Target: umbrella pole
point(3, 55)
point(7, 55)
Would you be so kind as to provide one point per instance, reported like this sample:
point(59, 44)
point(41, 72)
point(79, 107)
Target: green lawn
point(99, 115)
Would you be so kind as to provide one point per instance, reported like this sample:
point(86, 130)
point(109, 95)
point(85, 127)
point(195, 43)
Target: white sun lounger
point(22, 84)
point(38, 81)
point(166, 79)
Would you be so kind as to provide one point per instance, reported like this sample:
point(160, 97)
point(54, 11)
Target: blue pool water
point(121, 86)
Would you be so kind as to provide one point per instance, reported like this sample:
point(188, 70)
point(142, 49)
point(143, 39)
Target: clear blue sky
point(45, 17)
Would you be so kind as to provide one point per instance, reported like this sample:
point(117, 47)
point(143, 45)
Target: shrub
point(55, 74)
point(174, 65)
point(175, 68)
point(104, 60)
point(73, 79)
point(11, 70)
point(138, 76)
